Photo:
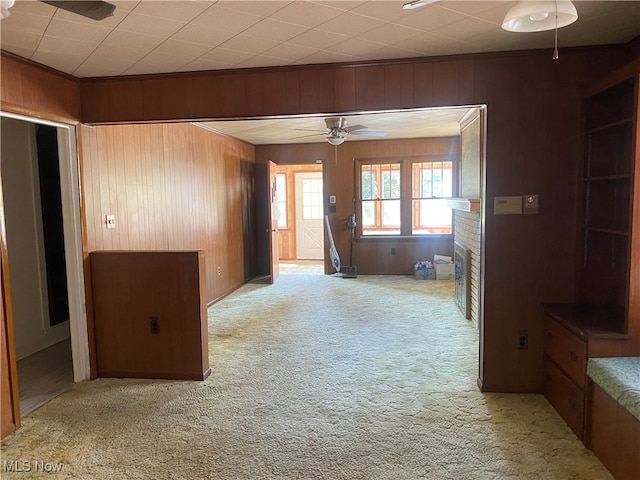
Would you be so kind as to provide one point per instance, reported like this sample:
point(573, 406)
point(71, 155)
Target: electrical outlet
point(219, 271)
point(155, 325)
point(523, 339)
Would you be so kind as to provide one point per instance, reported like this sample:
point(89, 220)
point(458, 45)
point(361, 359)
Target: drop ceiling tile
point(350, 23)
point(203, 35)
point(392, 52)
point(322, 56)
point(170, 62)
point(390, 33)
point(246, 43)
point(474, 8)
point(54, 45)
point(200, 64)
point(183, 11)
point(77, 31)
point(386, 11)
point(290, 51)
point(263, 61)
point(139, 41)
point(430, 17)
point(223, 55)
point(466, 29)
point(16, 39)
point(149, 25)
point(306, 13)
point(103, 65)
point(355, 47)
point(63, 61)
point(144, 66)
point(178, 48)
point(123, 55)
point(317, 39)
point(219, 18)
point(259, 7)
point(428, 44)
point(274, 30)
point(26, 22)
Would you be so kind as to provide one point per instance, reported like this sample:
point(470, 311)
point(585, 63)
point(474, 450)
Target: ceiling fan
point(337, 131)
point(95, 10)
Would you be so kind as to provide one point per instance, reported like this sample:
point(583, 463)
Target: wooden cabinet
point(604, 321)
point(572, 334)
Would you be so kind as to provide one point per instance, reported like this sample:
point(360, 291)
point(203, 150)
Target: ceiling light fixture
point(335, 140)
point(5, 5)
point(539, 16)
point(417, 4)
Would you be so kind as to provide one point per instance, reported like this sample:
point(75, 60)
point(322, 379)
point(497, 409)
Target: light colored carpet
point(315, 377)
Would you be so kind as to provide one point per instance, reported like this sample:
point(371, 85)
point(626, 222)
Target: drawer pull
point(574, 355)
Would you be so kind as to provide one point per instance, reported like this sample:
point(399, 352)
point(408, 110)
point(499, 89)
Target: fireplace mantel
point(464, 204)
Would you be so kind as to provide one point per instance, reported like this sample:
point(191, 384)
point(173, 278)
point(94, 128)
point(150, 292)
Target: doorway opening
point(300, 196)
point(41, 216)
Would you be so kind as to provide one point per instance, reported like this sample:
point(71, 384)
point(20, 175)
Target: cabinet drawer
point(567, 350)
point(565, 396)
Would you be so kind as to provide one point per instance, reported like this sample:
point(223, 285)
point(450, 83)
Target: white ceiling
point(147, 37)
point(420, 123)
point(188, 35)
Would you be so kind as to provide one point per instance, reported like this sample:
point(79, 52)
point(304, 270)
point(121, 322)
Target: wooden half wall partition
point(150, 314)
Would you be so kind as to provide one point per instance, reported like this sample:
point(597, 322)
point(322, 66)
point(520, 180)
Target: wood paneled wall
point(533, 118)
point(170, 187)
point(371, 256)
point(131, 288)
point(39, 92)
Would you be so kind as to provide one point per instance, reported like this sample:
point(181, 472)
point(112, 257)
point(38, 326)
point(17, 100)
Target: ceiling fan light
point(539, 16)
point(335, 140)
point(417, 4)
point(5, 5)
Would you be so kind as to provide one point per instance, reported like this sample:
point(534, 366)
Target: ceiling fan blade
point(95, 10)
point(306, 136)
point(353, 128)
point(369, 133)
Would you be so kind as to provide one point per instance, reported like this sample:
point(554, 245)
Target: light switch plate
point(530, 203)
point(507, 205)
point(110, 221)
point(332, 199)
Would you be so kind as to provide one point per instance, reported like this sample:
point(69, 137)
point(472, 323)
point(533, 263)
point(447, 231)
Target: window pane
point(431, 217)
point(390, 182)
point(368, 183)
point(368, 214)
point(391, 214)
point(312, 199)
point(281, 199)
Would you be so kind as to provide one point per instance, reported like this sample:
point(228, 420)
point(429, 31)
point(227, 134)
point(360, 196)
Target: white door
point(309, 216)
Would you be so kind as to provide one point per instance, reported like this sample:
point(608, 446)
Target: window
point(380, 195)
point(432, 183)
point(281, 199)
point(405, 197)
point(312, 199)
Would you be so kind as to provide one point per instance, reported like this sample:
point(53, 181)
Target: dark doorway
point(51, 200)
